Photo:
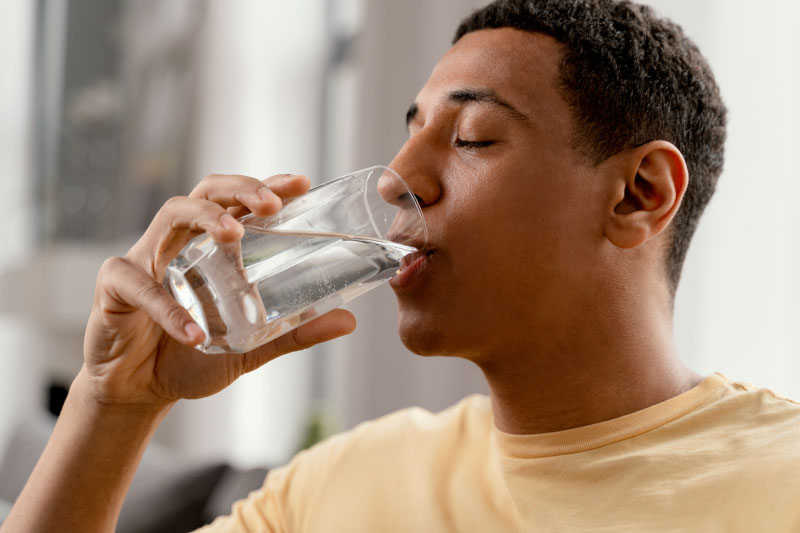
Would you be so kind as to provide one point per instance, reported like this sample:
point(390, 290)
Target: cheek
point(518, 232)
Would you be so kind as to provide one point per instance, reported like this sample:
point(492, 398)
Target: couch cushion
point(233, 486)
point(168, 498)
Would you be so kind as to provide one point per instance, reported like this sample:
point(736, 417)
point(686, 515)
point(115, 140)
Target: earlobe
point(648, 190)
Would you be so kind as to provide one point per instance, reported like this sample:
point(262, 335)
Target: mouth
point(411, 268)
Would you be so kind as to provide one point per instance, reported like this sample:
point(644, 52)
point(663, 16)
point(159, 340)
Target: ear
point(648, 188)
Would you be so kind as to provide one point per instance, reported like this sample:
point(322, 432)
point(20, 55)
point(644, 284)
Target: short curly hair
point(630, 77)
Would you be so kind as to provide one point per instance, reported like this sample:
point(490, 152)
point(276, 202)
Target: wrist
point(88, 391)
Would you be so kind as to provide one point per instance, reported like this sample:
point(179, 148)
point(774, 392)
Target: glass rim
point(383, 170)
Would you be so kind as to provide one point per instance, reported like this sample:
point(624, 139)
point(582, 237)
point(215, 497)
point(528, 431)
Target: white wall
point(17, 373)
point(738, 307)
point(16, 53)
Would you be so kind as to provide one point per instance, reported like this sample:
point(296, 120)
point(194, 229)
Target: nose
point(407, 223)
point(416, 164)
point(394, 190)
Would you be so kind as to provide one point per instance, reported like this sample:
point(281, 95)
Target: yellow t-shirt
point(721, 457)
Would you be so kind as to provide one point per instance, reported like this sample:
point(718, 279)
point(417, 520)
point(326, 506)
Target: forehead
point(521, 67)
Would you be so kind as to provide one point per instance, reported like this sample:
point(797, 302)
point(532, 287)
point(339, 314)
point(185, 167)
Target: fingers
point(127, 286)
point(329, 326)
point(181, 218)
point(178, 220)
point(182, 213)
point(284, 186)
point(288, 185)
point(262, 198)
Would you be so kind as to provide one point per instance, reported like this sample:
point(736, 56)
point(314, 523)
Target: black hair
point(630, 77)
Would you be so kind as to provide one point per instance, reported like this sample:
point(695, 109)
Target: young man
point(562, 151)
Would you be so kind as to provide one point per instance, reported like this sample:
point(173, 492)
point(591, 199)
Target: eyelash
point(460, 143)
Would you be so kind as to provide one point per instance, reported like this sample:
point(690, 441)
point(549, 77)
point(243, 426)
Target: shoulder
point(468, 414)
point(412, 428)
point(379, 455)
point(372, 462)
point(750, 443)
point(395, 438)
point(754, 407)
point(743, 421)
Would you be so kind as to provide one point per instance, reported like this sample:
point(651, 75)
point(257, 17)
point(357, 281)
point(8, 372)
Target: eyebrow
point(488, 96)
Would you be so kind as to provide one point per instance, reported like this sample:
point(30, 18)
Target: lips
point(410, 259)
point(411, 268)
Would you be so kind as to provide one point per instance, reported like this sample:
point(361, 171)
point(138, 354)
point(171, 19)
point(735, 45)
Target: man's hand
point(138, 344)
point(139, 360)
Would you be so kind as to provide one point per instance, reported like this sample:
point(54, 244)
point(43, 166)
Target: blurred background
point(109, 107)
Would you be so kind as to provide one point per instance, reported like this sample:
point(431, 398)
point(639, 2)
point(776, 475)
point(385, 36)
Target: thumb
point(329, 326)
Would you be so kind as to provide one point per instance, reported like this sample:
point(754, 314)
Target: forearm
point(82, 477)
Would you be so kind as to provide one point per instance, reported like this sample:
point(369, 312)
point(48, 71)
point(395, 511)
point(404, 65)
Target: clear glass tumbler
point(320, 250)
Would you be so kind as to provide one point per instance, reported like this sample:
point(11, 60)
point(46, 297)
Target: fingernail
point(192, 330)
point(228, 222)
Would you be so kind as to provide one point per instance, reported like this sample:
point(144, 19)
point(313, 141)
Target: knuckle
point(175, 314)
point(110, 266)
point(249, 362)
point(298, 345)
point(148, 292)
point(173, 202)
point(205, 183)
point(113, 274)
point(209, 217)
point(112, 263)
point(284, 344)
point(240, 197)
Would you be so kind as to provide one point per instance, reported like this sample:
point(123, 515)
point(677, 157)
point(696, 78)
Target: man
point(562, 151)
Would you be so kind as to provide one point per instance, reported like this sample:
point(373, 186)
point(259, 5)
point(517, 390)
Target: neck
point(584, 377)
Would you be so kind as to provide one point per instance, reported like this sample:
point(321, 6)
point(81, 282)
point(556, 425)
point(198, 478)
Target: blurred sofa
point(169, 493)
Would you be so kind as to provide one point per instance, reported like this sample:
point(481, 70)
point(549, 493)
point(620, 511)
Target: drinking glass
point(322, 249)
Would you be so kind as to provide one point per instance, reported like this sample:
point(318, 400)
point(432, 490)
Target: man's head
point(546, 183)
point(630, 77)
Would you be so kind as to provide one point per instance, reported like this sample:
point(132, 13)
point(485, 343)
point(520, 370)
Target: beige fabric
point(721, 457)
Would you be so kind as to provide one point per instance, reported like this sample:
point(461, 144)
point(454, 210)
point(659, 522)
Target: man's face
point(512, 211)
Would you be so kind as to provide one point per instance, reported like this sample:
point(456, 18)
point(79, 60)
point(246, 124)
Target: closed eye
point(460, 143)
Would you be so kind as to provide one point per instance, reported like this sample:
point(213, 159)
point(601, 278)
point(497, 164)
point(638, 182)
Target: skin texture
point(544, 270)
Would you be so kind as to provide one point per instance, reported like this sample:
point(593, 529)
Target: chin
point(425, 345)
point(424, 336)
